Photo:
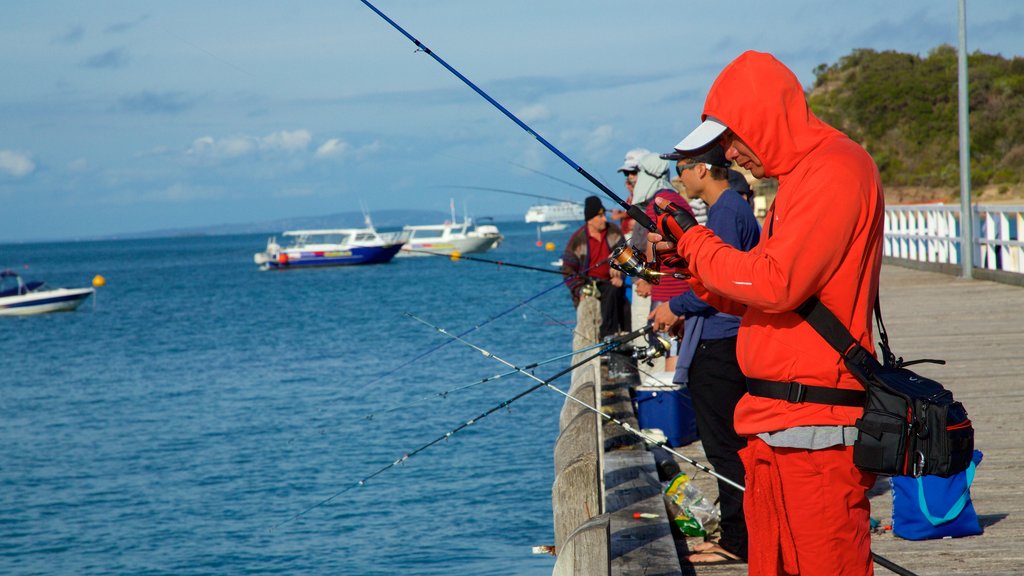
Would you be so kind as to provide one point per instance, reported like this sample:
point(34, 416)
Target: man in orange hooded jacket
point(805, 501)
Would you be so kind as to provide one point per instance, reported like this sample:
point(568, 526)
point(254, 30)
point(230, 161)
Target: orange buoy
point(282, 258)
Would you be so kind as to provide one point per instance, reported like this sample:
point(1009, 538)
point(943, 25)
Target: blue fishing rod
point(635, 212)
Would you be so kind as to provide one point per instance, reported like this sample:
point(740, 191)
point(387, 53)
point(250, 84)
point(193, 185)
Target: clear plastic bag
point(694, 514)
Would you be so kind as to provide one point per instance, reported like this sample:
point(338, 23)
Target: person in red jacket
point(806, 504)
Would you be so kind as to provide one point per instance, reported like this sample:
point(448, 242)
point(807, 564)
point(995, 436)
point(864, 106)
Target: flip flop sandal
point(705, 546)
point(723, 557)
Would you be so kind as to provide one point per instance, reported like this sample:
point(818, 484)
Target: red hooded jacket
point(823, 237)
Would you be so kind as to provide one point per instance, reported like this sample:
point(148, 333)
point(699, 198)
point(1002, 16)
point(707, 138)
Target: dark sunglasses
point(680, 168)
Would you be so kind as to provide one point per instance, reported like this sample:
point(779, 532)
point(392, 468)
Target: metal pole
point(966, 212)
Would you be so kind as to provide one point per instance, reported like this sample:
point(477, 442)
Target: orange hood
point(746, 97)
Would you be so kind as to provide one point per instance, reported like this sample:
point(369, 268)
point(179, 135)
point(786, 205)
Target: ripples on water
point(202, 403)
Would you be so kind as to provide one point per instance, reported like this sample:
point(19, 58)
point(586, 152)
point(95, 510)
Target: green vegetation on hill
point(903, 109)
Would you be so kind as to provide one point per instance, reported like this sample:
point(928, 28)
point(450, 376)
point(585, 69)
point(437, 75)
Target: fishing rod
point(445, 393)
point(457, 257)
point(609, 417)
point(607, 347)
point(890, 565)
point(635, 212)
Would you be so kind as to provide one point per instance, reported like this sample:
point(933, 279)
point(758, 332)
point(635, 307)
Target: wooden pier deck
point(977, 327)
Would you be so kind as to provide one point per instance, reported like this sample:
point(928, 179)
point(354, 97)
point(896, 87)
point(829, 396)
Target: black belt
point(795, 393)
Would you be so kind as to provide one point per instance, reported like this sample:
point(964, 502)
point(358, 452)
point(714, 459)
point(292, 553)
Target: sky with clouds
point(123, 116)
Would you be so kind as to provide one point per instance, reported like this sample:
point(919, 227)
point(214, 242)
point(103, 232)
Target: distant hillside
point(903, 109)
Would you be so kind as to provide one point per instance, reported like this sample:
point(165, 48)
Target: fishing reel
point(657, 346)
point(632, 263)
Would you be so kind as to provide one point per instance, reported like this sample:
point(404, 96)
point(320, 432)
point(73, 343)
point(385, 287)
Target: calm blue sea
point(201, 403)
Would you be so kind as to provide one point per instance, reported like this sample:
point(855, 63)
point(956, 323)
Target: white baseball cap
point(632, 161)
point(703, 136)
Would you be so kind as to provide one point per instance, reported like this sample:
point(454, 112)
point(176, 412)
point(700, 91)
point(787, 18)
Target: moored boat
point(20, 298)
point(331, 247)
point(451, 236)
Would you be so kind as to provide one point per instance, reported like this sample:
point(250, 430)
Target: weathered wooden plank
point(575, 496)
point(638, 545)
point(585, 552)
point(584, 392)
point(579, 438)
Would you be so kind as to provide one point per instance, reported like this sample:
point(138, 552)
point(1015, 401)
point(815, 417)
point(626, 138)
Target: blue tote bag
point(934, 507)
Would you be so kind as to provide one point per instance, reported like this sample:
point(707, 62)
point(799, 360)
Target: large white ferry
point(561, 212)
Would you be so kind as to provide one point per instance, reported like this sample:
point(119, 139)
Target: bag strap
point(958, 506)
point(858, 360)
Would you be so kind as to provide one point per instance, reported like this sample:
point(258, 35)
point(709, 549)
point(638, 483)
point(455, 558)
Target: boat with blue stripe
point(331, 247)
point(20, 298)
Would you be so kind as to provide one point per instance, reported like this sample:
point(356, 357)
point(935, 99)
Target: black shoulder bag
point(911, 424)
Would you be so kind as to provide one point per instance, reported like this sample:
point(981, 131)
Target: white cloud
point(293, 141)
point(333, 148)
point(594, 142)
point(600, 137)
point(16, 164)
point(242, 145)
point(78, 165)
point(534, 113)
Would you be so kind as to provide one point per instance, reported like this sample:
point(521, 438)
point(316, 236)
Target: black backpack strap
point(858, 359)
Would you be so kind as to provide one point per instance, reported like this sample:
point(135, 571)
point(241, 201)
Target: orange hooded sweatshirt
point(823, 237)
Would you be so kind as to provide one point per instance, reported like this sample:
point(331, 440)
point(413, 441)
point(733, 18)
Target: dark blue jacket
point(732, 220)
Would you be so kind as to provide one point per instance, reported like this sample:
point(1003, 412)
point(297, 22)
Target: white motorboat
point(331, 247)
point(553, 227)
point(452, 236)
point(18, 298)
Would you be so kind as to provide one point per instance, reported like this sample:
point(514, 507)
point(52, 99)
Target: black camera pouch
point(911, 425)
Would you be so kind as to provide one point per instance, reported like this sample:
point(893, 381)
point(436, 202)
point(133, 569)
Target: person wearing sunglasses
point(806, 504)
point(713, 374)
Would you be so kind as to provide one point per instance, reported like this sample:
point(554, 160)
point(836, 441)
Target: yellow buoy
point(456, 254)
point(549, 246)
point(99, 281)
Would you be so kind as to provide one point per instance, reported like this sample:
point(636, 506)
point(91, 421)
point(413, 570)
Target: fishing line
point(505, 191)
point(500, 263)
point(444, 394)
point(549, 176)
point(563, 323)
point(476, 327)
point(429, 351)
point(625, 425)
point(608, 346)
point(634, 212)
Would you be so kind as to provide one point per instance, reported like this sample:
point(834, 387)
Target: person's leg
point(826, 503)
point(716, 385)
point(610, 308)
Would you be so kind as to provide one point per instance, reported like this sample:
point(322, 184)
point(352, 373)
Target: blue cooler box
point(669, 409)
